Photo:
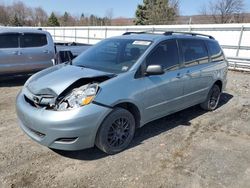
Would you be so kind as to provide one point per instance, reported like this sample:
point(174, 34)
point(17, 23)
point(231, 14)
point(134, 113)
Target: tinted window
point(215, 51)
point(112, 55)
point(33, 40)
point(165, 54)
point(9, 40)
point(194, 52)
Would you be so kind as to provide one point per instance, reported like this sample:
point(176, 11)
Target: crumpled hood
point(58, 78)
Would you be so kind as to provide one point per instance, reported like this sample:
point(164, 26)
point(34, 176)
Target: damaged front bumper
point(65, 130)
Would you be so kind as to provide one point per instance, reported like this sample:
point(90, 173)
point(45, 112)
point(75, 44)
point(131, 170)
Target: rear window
point(215, 51)
point(33, 40)
point(9, 40)
point(194, 52)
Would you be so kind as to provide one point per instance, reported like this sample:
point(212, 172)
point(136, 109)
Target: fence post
point(190, 28)
point(64, 34)
point(88, 35)
point(75, 34)
point(106, 30)
point(54, 33)
point(239, 43)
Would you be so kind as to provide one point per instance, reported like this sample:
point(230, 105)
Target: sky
point(120, 8)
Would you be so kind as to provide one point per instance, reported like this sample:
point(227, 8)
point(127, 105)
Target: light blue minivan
point(119, 85)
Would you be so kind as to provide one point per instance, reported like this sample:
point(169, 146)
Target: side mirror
point(154, 70)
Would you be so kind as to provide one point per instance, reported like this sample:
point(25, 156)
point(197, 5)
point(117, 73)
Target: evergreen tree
point(15, 21)
point(155, 12)
point(65, 18)
point(53, 21)
point(82, 16)
point(140, 14)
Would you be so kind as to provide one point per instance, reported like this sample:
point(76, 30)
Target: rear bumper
point(65, 130)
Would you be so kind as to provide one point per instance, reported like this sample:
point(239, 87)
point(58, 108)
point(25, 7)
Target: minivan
point(118, 85)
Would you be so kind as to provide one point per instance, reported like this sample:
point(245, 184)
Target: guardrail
point(241, 64)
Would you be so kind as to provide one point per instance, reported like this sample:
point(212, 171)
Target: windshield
point(112, 55)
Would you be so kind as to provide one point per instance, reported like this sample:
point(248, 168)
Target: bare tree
point(67, 19)
point(21, 11)
point(176, 6)
point(204, 10)
point(225, 11)
point(40, 17)
point(4, 16)
point(108, 16)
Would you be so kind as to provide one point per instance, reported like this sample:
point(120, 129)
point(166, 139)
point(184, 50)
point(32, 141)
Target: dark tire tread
point(206, 104)
point(101, 141)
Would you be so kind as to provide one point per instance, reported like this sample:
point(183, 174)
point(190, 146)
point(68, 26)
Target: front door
point(164, 92)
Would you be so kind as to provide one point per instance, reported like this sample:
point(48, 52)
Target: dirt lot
point(191, 148)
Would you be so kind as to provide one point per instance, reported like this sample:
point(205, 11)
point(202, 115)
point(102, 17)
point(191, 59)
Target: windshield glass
point(112, 55)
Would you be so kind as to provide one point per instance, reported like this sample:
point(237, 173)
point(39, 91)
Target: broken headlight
point(78, 97)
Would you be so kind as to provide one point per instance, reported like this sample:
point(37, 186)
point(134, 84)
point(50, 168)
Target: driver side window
point(165, 54)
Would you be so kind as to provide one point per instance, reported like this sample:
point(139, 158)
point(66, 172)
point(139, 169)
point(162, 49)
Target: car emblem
point(36, 99)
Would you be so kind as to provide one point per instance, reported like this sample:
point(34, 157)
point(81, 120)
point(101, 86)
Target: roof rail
point(133, 32)
point(187, 33)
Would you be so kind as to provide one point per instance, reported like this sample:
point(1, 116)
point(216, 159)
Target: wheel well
point(219, 83)
point(133, 110)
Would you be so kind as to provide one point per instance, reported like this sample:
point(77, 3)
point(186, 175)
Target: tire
point(213, 98)
point(116, 131)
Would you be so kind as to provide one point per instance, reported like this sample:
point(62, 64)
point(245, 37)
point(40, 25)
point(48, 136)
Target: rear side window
point(9, 40)
point(194, 52)
point(215, 51)
point(165, 54)
point(33, 40)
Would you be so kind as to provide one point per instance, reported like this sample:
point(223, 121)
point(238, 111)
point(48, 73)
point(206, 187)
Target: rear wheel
point(213, 98)
point(116, 131)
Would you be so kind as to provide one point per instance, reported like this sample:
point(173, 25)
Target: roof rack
point(169, 33)
point(134, 32)
point(187, 33)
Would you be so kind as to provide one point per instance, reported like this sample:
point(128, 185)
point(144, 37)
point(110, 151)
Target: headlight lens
point(78, 97)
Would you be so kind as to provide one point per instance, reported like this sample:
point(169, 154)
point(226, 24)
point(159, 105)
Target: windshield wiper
point(68, 62)
point(83, 66)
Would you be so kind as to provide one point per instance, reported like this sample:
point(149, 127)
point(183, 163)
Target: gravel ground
point(191, 148)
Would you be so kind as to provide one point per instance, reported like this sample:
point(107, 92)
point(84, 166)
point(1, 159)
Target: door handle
point(188, 73)
point(16, 53)
point(46, 51)
point(178, 75)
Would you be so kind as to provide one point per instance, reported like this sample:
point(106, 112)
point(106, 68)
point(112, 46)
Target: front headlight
point(78, 97)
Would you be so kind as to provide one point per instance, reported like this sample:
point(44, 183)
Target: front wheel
point(213, 98)
point(116, 131)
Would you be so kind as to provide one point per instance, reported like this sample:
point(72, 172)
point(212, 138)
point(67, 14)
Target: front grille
point(32, 103)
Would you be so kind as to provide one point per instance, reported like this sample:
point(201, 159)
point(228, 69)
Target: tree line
point(149, 12)
point(19, 14)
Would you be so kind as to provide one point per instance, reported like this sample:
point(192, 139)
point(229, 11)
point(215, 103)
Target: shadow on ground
point(151, 129)
point(12, 81)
